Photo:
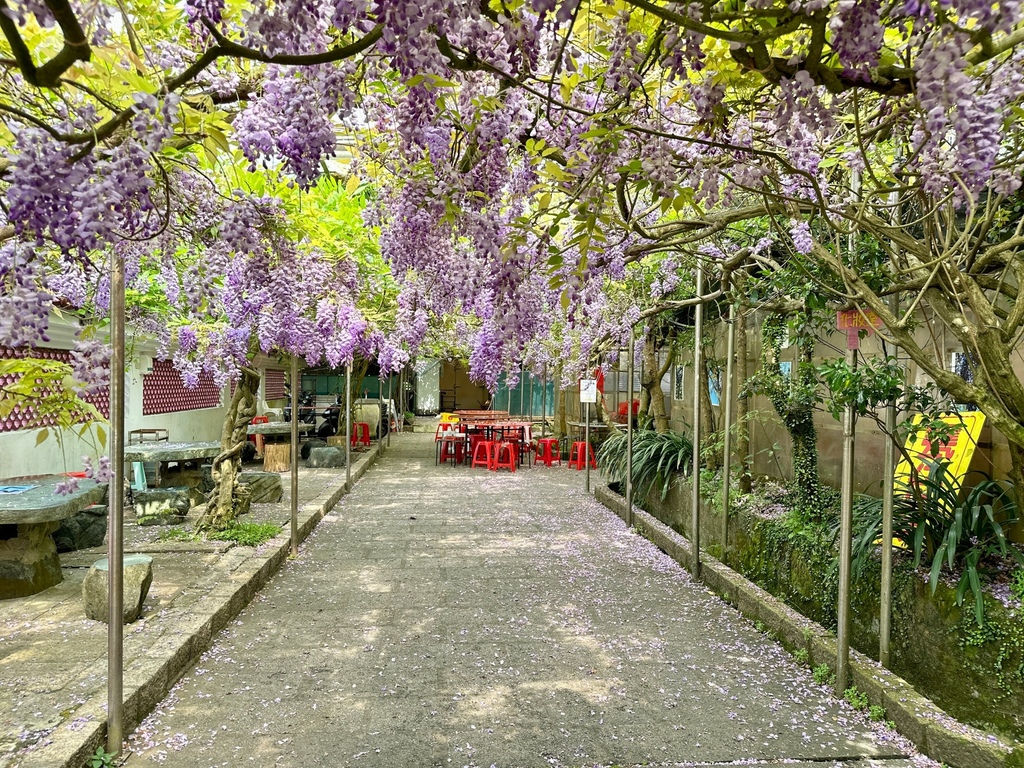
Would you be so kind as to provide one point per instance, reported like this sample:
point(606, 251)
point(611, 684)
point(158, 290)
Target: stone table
point(167, 453)
point(277, 428)
point(28, 518)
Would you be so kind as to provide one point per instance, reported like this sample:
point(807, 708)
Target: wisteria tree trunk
point(650, 383)
point(712, 459)
point(227, 500)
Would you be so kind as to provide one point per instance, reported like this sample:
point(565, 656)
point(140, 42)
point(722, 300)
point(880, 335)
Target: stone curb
point(157, 663)
point(932, 730)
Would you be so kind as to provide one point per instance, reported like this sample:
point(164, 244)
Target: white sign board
point(588, 390)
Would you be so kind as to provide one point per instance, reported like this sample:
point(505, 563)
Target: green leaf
point(41, 437)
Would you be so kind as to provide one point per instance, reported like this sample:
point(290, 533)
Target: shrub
point(855, 698)
point(657, 458)
point(823, 675)
point(247, 534)
point(946, 527)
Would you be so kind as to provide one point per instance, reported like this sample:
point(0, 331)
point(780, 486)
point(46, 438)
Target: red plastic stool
point(258, 439)
point(506, 456)
point(548, 450)
point(579, 455)
point(483, 454)
point(453, 447)
point(360, 433)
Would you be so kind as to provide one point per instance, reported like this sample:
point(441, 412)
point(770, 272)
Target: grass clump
point(856, 698)
point(176, 534)
point(247, 534)
point(823, 675)
point(801, 655)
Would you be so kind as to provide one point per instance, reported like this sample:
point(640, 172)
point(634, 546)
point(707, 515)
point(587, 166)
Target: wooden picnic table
point(32, 508)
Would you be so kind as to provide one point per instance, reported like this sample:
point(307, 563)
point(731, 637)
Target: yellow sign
point(964, 431)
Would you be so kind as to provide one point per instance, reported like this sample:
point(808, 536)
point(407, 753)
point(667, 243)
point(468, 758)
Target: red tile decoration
point(22, 417)
point(273, 385)
point(163, 391)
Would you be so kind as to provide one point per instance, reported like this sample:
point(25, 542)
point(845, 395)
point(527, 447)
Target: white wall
point(428, 385)
point(21, 455)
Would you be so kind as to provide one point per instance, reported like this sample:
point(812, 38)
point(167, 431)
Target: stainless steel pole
point(296, 385)
point(698, 366)
point(730, 347)
point(544, 403)
point(348, 427)
point(629, 428)
point(845, 544)
point(586, 449)
point(389, 410)
point(530, 419)
point(115, 541)
point(522, 391)
point(888, 472)
point(380, 408)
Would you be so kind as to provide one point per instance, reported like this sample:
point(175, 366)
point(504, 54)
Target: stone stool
point(138, 575)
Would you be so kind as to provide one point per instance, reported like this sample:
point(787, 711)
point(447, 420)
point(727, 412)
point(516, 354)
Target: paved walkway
point(447, 616)
point(53, 661)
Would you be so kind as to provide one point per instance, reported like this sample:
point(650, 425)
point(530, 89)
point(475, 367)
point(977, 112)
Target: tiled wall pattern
point(163, 392)
point(273, 385)
point(22, 417)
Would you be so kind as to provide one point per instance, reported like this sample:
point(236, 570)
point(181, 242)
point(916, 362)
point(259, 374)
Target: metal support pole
point(295, 456)
point(845, 544)
point(888, 493)
point(629, 428)
point(586, 449)
point(115, 542)
point(348, 426)
point(389, 410)
point(522, 391)
point(380, 408)
point(888, 473)
point(531, 397)
point(730, 347)
point(698, 366)
point(544, 403)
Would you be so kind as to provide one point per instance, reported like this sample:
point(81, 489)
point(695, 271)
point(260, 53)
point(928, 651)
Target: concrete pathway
point(448, 616)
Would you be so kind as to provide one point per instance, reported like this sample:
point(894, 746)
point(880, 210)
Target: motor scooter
point(331, 415)
point(307, 408)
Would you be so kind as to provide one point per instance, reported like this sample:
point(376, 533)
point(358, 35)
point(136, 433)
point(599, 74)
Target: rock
point(162, 506)
point(309, 445)
point(326, 458)
point(138, 576)
point(82, 530)
point(264, 487)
